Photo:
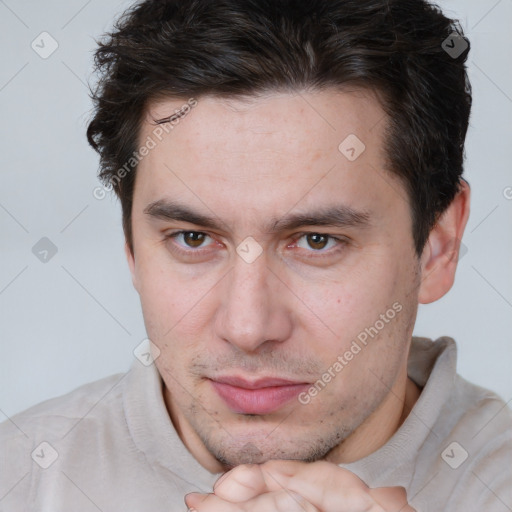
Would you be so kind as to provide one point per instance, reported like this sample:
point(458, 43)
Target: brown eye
point(192, 246)
point(317, 241)
point(193, 238)
point(319, 248)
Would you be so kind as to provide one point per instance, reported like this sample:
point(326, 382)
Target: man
point(290, 175)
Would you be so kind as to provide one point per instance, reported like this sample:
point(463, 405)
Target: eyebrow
point(334, 216)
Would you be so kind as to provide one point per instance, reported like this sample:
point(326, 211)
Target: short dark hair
point(235, 48)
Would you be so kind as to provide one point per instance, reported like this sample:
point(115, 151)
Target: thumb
point(391, 499)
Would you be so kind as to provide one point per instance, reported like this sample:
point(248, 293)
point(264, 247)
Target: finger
point(241, 483)
point(283, 500)
point(325, 485)
point(276, 501)
point(197, 502)
point(391, 499)
point(247, 481)
point(194, 499)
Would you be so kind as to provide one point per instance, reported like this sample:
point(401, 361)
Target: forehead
point(268, 153)
point(258, 121)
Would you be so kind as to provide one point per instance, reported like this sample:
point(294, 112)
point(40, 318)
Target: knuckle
point(244, 471)
point(243, 474)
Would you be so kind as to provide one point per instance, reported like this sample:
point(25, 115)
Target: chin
point(231, 451)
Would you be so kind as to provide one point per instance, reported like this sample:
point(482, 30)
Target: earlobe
point(440, 256)
point(130, 258)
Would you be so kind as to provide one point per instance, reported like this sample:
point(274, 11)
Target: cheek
point(355, 301)
point(159, 296)
point(176, 305)
point(156, 289)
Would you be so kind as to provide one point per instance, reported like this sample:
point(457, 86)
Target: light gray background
point(77, 318)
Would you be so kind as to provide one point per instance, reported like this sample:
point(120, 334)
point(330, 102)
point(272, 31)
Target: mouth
point(263, 396)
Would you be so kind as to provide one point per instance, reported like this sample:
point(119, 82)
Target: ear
point(130, 258)
point(441, 253)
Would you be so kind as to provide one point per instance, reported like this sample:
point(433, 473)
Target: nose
point(253, 307)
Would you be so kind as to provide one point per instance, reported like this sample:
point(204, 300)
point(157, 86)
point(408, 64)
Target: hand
point(282, 485)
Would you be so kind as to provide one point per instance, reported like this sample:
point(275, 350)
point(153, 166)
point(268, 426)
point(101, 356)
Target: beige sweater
point(110, 446)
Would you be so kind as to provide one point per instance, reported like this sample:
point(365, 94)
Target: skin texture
point(298, 306)
point(293, 485)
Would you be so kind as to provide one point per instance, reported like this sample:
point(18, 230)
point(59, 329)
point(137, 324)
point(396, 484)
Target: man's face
point(296, 309)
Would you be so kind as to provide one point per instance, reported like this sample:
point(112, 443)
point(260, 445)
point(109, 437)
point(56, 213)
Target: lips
point(263, 396)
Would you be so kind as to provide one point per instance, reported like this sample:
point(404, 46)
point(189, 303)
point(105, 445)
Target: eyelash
point(342, 242)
